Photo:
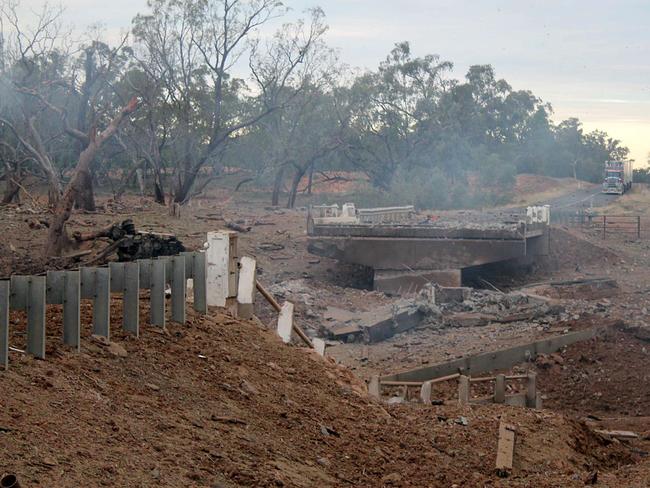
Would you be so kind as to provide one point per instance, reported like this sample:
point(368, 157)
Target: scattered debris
point(130, 244)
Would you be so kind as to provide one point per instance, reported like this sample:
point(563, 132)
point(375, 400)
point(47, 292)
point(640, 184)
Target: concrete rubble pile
point(438, 307)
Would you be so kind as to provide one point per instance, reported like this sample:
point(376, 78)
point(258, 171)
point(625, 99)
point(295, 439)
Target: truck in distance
point(618, 177)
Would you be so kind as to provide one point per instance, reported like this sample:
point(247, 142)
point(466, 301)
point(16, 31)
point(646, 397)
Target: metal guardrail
point(33, 293)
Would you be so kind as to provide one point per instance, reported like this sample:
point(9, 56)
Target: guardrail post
point(4, 324)
point(200, 281)
point(425, 392)
point(158, 282)
point(285, 322)
point(29, 293)
point(463, 390)
point(374, 387)
point(221, 262)
point(531, 391)
point(246, 288)
point(71, 309)
point(500, 389)
point(179, 288)
point(36, 317)
point(63, 289)
point(96, 285)
point(131, 299)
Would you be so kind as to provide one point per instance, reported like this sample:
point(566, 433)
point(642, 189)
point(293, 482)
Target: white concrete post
point(285, 322)
point(425, 392)
point(319, 345)
point(246, 289)
point(219, 268)
point(374, 387)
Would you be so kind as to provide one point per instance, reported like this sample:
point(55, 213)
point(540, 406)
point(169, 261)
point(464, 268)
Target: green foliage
point(418, 135)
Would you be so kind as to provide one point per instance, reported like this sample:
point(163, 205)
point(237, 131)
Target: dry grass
point(634, 202)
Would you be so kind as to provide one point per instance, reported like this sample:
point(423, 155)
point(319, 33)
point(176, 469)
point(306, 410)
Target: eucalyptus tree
point(190, 51)
point(388, 106)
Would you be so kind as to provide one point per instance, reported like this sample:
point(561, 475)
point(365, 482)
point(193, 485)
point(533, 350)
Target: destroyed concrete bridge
point(406, 252)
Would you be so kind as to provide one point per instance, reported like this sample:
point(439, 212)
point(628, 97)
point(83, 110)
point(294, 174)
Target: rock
point(155, 473)
point(152, 386)
point(395, 400)
point(48, 461)
point(323, 461)
point(462, 421)
point(249, 388)
point(392, 478)
point(117, 350)
point(100, 339)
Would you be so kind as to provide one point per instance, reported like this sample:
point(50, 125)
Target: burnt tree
point(58, 239)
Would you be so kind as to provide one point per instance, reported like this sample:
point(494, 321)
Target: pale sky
point(588, 58)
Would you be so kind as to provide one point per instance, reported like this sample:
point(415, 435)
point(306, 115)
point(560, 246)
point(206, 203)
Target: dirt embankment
point(602, 377)
point(220, 402)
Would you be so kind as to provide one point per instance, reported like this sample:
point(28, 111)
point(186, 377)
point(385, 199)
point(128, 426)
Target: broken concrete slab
point(449, 294)
point(405, 282)
point(583, 289)
point(468, 319)
point(380, 324)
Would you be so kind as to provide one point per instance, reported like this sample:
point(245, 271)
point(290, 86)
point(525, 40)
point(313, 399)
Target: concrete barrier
point(496, 360)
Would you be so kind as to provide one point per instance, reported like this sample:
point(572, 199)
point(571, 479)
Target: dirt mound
point(219, 402)
point(569, 249)
point(600, 377)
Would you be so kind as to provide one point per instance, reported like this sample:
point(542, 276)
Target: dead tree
point(58, 238)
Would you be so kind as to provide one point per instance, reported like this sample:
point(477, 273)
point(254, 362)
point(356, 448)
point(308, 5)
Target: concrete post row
point(33, 293)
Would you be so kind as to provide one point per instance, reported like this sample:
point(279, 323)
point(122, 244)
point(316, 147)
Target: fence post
point(638, 227)
point(604, 226)
point(463, 390)
point(500, 389)
point(531, 390)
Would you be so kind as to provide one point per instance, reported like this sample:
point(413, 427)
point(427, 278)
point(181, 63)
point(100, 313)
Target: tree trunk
point(85, 196)
point(277, 186)
point(293, 193)
point(158, 189)
point(57, 239)
point(311, 179)
point(12, 190)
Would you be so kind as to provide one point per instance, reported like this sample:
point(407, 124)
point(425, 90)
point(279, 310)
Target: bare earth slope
point(222, 403)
